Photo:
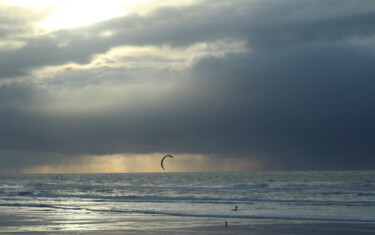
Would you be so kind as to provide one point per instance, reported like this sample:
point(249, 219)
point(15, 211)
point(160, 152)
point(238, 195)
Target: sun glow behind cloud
point(72, 13)
point(69, 13)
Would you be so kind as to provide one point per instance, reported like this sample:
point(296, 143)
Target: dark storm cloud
point(306, 108)
point(301, 98)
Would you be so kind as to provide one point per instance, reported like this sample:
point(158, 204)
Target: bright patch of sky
point(72, 13)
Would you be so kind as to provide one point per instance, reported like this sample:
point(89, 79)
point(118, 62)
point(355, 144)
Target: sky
point(239, 85)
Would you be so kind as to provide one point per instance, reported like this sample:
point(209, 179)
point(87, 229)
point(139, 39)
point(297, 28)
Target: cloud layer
point(285, 83)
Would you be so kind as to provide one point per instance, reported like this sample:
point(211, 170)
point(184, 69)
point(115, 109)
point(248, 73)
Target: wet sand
point(89, 223)
point(270, 228)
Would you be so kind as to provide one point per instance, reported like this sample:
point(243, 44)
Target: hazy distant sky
point(112, 86)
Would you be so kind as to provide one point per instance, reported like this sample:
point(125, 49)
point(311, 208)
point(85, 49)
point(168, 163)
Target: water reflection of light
point(84, 220)
point(75, 220)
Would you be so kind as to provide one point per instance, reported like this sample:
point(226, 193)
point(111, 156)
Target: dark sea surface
point(332, 196)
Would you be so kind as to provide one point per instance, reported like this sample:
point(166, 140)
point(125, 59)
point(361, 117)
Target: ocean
point(75, 202)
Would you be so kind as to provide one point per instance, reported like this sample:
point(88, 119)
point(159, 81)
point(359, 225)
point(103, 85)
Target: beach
point(174, 225)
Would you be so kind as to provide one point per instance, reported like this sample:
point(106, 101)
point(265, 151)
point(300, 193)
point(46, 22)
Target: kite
point(162, 160)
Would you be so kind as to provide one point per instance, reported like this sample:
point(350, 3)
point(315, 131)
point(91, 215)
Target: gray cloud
point(301, 98)
point(15, 22)
point(261, 23)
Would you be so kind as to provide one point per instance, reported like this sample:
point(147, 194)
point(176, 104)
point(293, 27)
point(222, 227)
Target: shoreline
point(120, 224)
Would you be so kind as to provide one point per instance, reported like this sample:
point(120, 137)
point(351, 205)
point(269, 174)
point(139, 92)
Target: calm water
point(330, 196)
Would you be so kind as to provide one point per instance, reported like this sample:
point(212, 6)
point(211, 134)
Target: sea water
point(300, 195)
